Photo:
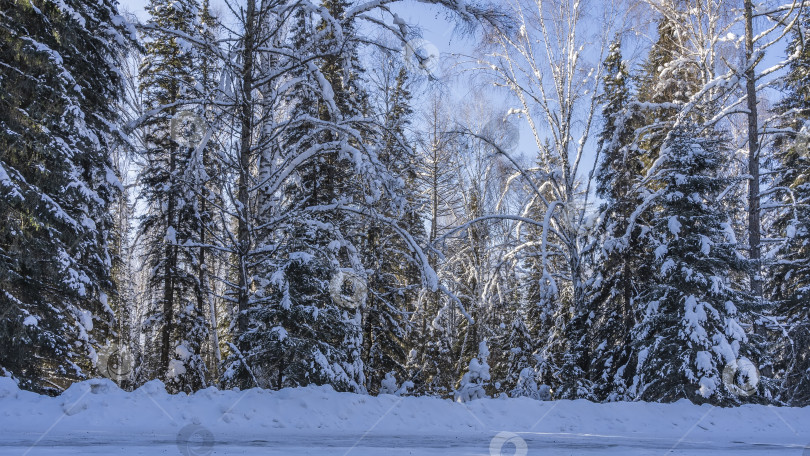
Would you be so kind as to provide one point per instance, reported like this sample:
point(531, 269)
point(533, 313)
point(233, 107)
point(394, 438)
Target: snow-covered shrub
point(472, 383)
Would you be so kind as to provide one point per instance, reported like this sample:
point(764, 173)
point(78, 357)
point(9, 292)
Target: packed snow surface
point(96, 417)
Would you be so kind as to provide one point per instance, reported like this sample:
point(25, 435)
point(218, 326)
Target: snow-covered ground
point(95, 417)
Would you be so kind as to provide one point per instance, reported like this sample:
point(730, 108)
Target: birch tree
point(544, 65)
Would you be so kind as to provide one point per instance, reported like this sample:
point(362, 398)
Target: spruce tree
point(58, 88)
point(512, 361)
point(689, 328)
point(621, 269)
point(789, 279)
point(298, 328)
point(666, 78)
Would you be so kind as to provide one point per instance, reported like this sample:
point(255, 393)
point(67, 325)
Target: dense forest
point(277, 193)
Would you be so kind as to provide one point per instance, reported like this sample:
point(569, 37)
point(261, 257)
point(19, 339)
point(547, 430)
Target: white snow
point(660, 251)
point(171, 235)
point(182, 352)
point(705, 245)
point(674, 225)
point(86, 318)
point(472, 383)
point(389, 384)
point(95, 417)
point(176, 368)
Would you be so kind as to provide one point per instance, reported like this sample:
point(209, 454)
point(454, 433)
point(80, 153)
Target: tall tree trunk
point(171, 269)
point(754, 235)
point(246, 114)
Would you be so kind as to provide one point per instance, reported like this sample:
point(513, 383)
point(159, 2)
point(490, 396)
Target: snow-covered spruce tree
point(196, 323)
point(667, 77)
point(298, 330)
point(171, 186)
point(788, 284)
point(333, 236)
point(689, 330)
point(512, 360)
point(621, 264)
point(58, 88)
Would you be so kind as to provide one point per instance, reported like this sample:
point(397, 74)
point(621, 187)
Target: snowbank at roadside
point(99, 409)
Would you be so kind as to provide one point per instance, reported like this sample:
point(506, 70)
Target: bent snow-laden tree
point(544, 67)
point(306, 170)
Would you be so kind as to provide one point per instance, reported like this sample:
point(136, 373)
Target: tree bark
point(246, 114)
point(754, 234)
point(170, 270)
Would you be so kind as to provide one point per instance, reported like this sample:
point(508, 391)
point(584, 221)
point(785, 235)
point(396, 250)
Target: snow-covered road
point(95, 417)
point(395, 445)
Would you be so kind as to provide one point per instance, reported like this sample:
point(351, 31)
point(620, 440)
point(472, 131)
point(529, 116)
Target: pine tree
point(789, 282)
point(171, 189)
point(58, 87)
point(689, 329)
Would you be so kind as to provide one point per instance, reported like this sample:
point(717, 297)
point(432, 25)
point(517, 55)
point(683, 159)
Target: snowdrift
point(97, 410)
